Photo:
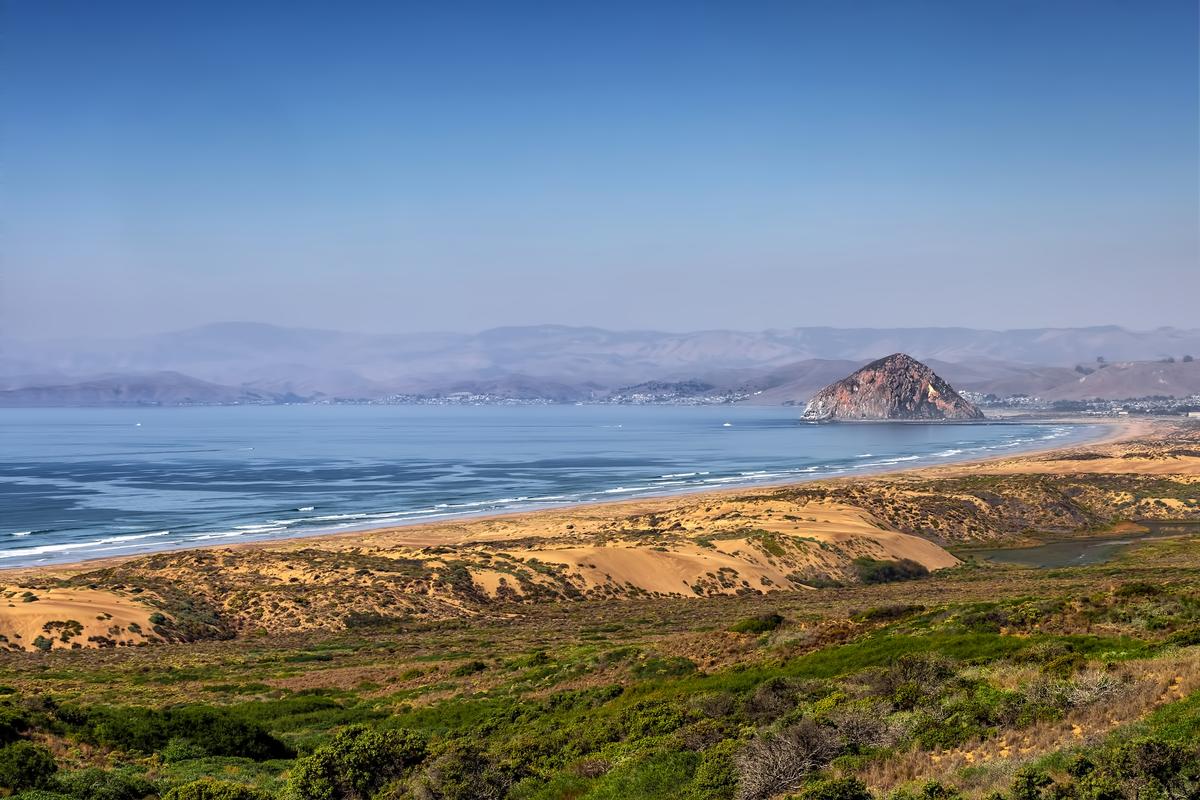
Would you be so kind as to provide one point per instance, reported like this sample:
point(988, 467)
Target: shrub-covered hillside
point(978, 681)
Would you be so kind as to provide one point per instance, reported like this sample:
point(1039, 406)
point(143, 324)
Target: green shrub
point(930, 790)
point(985, 620)
point(25, 765)
point(40, 794)
point(888, 613)
point(102, 784)
point(12, 724)
point(215, 731)
point(759, 624)
point(936, 733)
point(967, 715)
point(656, 776)
point(1138, 589)
point(1187, 637)
point(468, 668)
point(836, 789)
point(871, 570)
point(911, 679)
point(67, 629)
point(1156, 764)
point(356, 764)
point(1064, 665)
point(715, 777)
point(210, 789)
point(180, 749)
point(652, 718)
point(460, 770)
point(1141, 768)
point(1029, 783)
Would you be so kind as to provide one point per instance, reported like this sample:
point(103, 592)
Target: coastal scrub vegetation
point(975, 682)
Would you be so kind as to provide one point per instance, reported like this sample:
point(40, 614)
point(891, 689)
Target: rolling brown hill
point(1131, 379)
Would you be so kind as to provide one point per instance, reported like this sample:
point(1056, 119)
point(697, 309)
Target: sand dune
point(727, 542)
point(65, 618)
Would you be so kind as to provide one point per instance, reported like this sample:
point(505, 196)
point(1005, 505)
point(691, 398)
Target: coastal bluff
point(897, 387)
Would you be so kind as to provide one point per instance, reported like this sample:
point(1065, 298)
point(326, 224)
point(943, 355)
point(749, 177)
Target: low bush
point(872, 570)
point(1139, 589)
point(13, 723)
point(930, 790)
point(912, 679)
point(716, 776)
point(758, 624)
point(780, 762)
point(103, 784)
point(468, 668)
point(655, 776)
point(210, 789)
point(888, 613)
point(356, 764)
point(836, 789)
point(461, 770)
point(1188, 637)
point(771, 699)
point(215, 731)
point(25, 765)
point(1141, 768)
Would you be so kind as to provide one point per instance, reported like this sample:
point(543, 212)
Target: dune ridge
point(742, 542)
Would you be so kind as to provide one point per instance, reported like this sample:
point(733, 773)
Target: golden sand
point(718, 542)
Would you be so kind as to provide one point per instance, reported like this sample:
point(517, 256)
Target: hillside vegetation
point(983, 679)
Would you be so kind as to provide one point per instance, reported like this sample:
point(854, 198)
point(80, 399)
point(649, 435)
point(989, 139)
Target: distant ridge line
point(570, 363)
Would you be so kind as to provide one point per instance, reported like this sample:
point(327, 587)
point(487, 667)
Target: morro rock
point(897, 387)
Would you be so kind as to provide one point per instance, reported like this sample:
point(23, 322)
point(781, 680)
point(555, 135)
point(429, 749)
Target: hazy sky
point(397, 167)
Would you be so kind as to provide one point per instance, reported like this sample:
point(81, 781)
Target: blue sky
point(392, 167)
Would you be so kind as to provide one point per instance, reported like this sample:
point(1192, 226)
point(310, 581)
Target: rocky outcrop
point(897, 387)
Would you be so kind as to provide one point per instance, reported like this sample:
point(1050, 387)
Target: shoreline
point(1117, 431)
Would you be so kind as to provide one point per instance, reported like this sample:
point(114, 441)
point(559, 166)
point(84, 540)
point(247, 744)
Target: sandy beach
point(727, 541)
point(462, 529)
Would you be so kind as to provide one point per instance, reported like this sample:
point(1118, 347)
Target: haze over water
point(86, 483)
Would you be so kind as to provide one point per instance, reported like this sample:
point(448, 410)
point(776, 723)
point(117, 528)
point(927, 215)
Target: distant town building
point(1194, 414)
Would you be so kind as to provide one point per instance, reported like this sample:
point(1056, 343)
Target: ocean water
point(85, 483)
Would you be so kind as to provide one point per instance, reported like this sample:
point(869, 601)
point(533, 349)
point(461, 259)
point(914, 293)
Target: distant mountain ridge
point(580, 363)
point(158, 388)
